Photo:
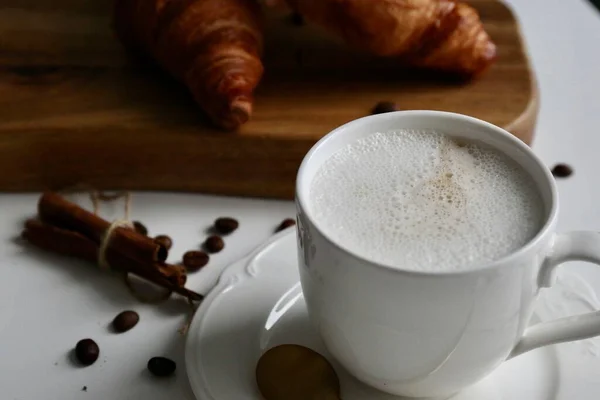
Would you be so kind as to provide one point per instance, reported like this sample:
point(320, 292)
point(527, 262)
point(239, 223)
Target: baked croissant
point(438, 34)
point(212, 46)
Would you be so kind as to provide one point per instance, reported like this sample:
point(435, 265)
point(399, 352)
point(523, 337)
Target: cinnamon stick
point(56, 210)
point(138, 249)
point(65, 228)
point(70, 243)
point(58, 240)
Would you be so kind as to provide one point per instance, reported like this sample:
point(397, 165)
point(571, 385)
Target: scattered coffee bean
point(161, 366)
point(384, 107)
point(297, 19)
point(140, 228)
point(286, 223)
point(87, 351)
point(214, 244)
point(194, 260)
point(226, 225)
point(562, 171)
point(125, 321)
point(164, 240)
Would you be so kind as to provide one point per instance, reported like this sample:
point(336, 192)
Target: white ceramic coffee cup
point(430, 334)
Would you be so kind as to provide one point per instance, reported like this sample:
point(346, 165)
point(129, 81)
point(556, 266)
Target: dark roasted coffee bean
point(87, 351)
point(297, 19)
point(164, 240)
point(384, 107)
point(214, 244)
point(161, 366)
point(125, 321)
point(194, 260)
point(226, 225)
point(140, 228)
point(286, 223)
point(562, 171)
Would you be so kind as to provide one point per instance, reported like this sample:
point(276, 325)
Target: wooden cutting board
point(75, 110)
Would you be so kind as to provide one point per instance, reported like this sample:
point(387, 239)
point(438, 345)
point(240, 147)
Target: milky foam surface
point(420, 200)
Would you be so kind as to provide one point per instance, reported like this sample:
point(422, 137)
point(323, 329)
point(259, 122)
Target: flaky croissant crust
point(213, 46)
point(437, 34)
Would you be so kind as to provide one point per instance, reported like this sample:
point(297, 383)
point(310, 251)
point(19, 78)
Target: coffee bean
point(226, 225)
point(164, 240)
point(384, 107)
point(125, 321)
point(286, 223)
point(214, 244)
point(161, 366)
point(140, 228)
point(194, 260)
point(562, 171)
point(87, 351)
point(297, 19)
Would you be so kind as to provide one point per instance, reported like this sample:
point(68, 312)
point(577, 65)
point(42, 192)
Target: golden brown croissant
point(213, 46)
point(437, 34)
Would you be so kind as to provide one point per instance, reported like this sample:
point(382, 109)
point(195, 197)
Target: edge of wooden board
point(524, 126)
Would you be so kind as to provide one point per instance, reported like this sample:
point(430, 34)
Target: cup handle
point(573, 246)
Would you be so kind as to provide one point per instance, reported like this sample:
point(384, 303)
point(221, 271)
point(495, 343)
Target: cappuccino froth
point(421, 200)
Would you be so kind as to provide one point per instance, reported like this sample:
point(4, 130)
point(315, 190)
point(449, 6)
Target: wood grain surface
point(75, 109)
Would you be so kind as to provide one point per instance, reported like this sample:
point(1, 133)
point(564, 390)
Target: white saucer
point(258, 304)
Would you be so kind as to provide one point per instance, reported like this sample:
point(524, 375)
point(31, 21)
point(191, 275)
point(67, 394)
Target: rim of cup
point(303, 189)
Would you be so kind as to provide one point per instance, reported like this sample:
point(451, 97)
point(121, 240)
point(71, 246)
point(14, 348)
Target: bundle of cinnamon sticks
point(65, 228)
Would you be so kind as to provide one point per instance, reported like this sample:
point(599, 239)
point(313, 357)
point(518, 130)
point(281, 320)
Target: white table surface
point(49, 302)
